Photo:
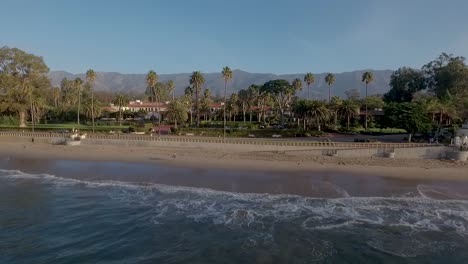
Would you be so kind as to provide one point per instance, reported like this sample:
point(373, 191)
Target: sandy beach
point(194, 157)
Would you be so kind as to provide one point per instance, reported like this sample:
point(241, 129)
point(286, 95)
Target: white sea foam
point(240, 210)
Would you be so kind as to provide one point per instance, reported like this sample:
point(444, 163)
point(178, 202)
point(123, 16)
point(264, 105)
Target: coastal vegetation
point(421, 101)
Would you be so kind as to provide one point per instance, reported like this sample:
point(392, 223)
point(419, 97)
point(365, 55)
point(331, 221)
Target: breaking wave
point(411, 220)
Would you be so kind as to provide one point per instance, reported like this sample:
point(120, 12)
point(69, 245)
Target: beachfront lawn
point(382, 130)
point(67, 126)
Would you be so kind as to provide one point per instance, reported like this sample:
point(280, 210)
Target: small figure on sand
point(174, 155)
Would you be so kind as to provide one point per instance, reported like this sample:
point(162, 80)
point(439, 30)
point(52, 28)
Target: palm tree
point(120, 101)
point(330, 80)
point(171, 89)
point(335, 105)
point(151, 81)
point(205, 104)
point(318, 112)
point(448, 110)
point(177, 110)
point(197, 80)
point(232, 106)
point(349, 109)
point(77, 83)
point(309, 79)
point(300, 108)
point(188, 94)
point(297, 84)
point(243, 96)
point(252, 94)
point(227, 76)
point(367, 77)
point(90, 77)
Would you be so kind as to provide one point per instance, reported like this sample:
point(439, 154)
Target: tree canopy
point(23, 81)
point(404, 83)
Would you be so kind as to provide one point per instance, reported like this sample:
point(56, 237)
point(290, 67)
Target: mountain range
point(136, 83)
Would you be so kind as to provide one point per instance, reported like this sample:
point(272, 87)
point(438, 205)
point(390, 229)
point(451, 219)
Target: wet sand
point(320, 183)
point(261, 162)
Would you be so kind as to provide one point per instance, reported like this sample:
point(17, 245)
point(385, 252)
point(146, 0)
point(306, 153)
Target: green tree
point(90, 78)
point(411, 117)
point(177, 110)
point(367, 78)
point(227, 76)
point(197, 80)
point(373, 102)
point(330, 80)
point(171, 88)
point(335, 105)
point(349, 109)
point(297, 85)
point(78, 86)
point(282, 92)
point(120, 100)
point(243, 96)
point(252, 95)
point(300, 109)
point(91, 106)
point(56, 94)
point(447, 110)
point(318, 113)
point(309, 79)
point(151, 81)
point(447, 75)
point(404, 83)
point(188, 99)
point(22, 79)
point(205, 103)
point(232, 106)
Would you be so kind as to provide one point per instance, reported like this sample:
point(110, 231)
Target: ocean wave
point(250, 210)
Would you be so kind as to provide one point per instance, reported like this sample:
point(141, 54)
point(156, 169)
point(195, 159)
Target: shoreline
point(259, 161)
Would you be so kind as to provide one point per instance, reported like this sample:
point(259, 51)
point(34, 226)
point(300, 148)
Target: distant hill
point(135, 83)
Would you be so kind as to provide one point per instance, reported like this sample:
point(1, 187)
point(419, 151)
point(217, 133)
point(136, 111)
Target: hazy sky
point(282, 36)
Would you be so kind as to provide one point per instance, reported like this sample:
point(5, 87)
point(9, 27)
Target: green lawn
point(68, 126)
point(382, 130)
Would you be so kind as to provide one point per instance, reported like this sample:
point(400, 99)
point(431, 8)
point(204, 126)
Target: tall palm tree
point(330, 80)
point(151, 81)
point(90, 77)
point(120, 100)
point(309, 79)
point(349, 109)
point(243, 96)
point(188, 94)
point(197, 80)
point(227, 76)
point(171, 89)
point(367, 77)
point(78, 82)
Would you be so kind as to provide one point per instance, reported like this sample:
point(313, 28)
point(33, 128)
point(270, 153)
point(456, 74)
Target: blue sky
point(282, 36)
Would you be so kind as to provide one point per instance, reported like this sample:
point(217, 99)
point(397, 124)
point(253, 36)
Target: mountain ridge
point(136, 83)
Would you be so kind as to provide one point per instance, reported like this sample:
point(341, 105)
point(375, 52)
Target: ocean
point(109, 212)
